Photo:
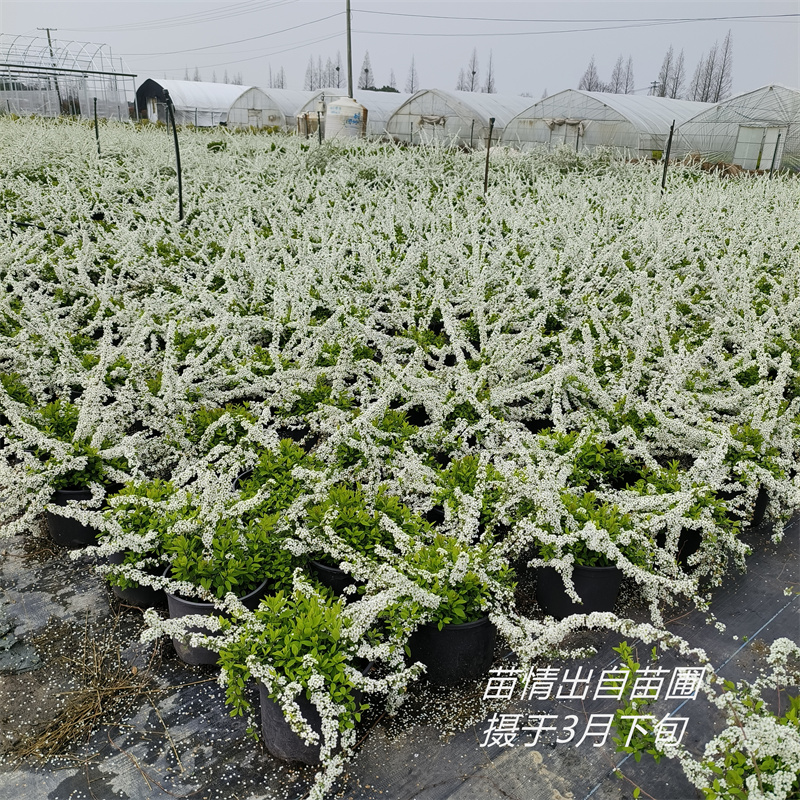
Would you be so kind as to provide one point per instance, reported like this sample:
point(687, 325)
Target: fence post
point(171, 113)
point(96, 129)
point(471, 131)
point(319, 125)
point(666, 157)
point(488, 148)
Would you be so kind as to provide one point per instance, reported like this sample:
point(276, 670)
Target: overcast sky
point(535, 46)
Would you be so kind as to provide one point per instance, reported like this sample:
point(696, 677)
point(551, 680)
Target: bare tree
point(705, 77)
point(196, 76)
point(723, 75)
point(214, 76)
point(590, 81)
point(186, 74)
point(489, 87)
point(665, 75)
point(473, 72)
point(225, 77)
point(337, 68)
point(617, 82)
point(237, 79)
point(279, 79)
point(627, 83)
point(544, 94)
point(392, 79)
point(366, 80)
point(412, 81)
point(678, 78)
point(309, 83)
point(461, 84)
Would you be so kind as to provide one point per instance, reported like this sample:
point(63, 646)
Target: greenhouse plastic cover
point(203, 95)
point(503, 107)
point(647, 114)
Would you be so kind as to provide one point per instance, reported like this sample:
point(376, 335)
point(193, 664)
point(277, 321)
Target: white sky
point(550, 52)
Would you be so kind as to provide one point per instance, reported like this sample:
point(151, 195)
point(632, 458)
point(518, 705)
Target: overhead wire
point(628, 23)
point(462, 18)
point(211, 15)
point(239, 41)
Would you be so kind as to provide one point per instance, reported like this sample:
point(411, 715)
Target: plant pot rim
point(460, 625)
point(245, 473)
point(78, 490)
point(612, 568)
point(205, 604)
point(323, 566)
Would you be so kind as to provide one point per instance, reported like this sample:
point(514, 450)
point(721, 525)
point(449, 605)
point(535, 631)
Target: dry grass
point(107, 687)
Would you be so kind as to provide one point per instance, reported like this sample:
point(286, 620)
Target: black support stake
point(96, 129)
point(488, 148)
point(319, 125)
point(171, 112)
point(666, 157)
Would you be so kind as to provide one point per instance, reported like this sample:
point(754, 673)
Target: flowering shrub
point(572, 352)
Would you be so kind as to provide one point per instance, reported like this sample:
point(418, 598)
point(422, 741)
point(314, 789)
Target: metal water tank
point(344, 118)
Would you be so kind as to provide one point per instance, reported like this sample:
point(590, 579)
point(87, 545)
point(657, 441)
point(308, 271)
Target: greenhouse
point(51, 77)
point(756, 130)
point(206, 104)
point(632, 125)
point(458, 118)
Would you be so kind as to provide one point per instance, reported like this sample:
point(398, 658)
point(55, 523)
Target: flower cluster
point(349, 353)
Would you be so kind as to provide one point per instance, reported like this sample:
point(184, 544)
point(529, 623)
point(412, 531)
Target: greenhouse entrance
point(758, 148)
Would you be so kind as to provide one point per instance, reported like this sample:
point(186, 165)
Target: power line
point(212, 15)
point(640, 24)
point(237, 41)
point(572, 19)
point(267, 53)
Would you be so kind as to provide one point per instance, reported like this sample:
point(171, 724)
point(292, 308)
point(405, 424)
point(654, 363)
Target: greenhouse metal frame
point(50, 78)
point(756, 130)
point(455, 118)
point(630, 125)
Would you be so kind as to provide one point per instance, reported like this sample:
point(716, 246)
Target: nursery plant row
point(350, 399)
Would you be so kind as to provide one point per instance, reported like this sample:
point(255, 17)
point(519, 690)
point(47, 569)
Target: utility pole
point(55, 79)
point(349, 56)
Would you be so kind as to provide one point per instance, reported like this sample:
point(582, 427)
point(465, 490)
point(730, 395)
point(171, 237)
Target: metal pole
point(471, 131)
point(319, 126)
point(666, 157)
point(171, 113)
point(96, 129)
point(349, 55)
point(488, 148)
point(774, 155)
point(52, 55)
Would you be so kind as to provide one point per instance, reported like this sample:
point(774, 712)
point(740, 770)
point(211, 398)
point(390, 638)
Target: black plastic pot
point(66, 531)
point(181, 607)
point(332, 577)
point(141, 596)
point(689, 541)
point(456, 652)
point(598, 587)
point(280, 740)
point(760, 508)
